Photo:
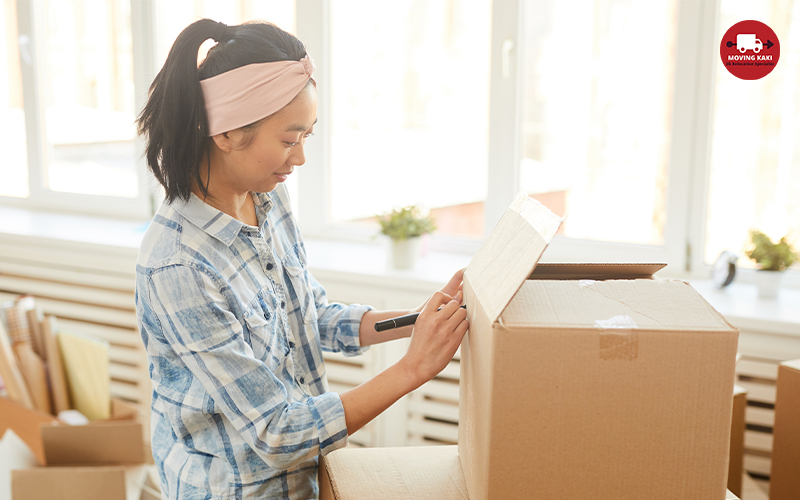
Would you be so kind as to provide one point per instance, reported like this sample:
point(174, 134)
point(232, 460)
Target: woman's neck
point(239, 205)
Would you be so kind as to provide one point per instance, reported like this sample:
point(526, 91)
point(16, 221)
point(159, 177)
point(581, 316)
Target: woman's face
point(275, 150)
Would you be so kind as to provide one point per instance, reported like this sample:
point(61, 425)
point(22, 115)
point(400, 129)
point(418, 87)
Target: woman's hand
point(437, 334)
point(452, 287)
point(434, 340)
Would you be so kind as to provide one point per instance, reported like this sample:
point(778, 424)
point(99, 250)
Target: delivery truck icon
point(745, 42)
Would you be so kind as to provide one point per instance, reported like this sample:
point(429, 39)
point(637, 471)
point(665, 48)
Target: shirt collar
point(218, 224)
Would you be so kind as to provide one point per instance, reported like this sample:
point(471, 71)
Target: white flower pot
point(768, 283)
point(405, 252)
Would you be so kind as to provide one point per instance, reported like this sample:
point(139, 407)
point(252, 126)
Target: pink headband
point(247, 94)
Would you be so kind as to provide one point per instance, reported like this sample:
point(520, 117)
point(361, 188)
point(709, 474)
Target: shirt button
point(269, 266)
point(266, 315)
point(283, 303)
point(301, 380)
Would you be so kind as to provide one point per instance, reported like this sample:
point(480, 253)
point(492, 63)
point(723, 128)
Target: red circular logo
point(750, 50)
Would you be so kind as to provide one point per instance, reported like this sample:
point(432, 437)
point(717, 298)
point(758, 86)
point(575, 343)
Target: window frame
point(687, 183)
point(689, 151)
point(30, 24)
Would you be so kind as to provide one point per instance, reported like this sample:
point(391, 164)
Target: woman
point(233, 322)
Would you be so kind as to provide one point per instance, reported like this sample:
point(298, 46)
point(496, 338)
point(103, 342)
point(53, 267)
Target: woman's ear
point(224, 141)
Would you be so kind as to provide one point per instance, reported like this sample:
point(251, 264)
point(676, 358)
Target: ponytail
point(174, 120)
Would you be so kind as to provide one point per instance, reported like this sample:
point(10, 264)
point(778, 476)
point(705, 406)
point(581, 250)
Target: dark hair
point(174, 120)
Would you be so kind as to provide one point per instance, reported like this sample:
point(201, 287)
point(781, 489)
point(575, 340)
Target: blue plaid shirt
point(234, 326)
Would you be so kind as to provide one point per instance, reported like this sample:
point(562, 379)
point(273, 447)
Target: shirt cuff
point(349, 340)
point(328, 413)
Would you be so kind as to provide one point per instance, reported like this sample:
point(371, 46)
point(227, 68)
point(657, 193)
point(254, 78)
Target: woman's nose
point(298, 156)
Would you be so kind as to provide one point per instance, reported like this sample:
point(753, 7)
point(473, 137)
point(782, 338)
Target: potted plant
point(772, 259)
point(405, 226)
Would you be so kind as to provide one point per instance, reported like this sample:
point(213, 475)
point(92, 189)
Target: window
point(596, 125)
point(74, 75)
point(409, 110)
point(617, 113)
point(755, 158)
point(14, 171)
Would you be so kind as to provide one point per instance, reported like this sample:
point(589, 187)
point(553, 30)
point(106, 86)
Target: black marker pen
point(398, 322)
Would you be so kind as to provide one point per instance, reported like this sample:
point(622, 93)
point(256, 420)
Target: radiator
point(88, 293)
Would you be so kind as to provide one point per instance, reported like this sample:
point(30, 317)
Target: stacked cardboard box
point(413, 473)
point(48, 373)
point(579, 379)
point(736, 462)
point(785, 473)
point(104, 456)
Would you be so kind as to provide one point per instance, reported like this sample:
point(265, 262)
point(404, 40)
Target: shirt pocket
point(265, 338)
point(300, 293)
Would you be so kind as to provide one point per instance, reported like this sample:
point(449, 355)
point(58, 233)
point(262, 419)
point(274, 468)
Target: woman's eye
point(309, 134)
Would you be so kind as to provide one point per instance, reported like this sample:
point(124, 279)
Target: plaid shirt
point(234, 326)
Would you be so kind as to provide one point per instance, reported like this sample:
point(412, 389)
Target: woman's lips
point(282, 177)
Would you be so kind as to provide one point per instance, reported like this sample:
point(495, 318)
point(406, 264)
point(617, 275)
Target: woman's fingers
point(454, 285)
point(436, 301)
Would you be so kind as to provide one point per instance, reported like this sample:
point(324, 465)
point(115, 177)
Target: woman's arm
point(435, 339)
point(367, 333)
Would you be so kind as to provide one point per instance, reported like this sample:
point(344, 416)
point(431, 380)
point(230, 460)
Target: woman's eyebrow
point(300, 128)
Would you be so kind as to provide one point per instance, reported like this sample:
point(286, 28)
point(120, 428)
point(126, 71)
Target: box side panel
point(569, 420)
point(25, 424)
point(68, 483)
point(118, 442)
point(785, 473)
point(324, 481)
point(475, 397)
point(736, 462)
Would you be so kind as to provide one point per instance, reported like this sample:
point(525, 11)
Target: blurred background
point(617, 113)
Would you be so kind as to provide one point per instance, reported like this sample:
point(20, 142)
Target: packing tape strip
point(619, 338)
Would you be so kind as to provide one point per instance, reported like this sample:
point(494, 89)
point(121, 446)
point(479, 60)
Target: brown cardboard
point(25, 424)
point(416, 472)
point(55, 443)
point(736, 461)
point(785, 472)
point(411, 473)
point(574, 386)
point(594, 271)
point(78, 483)
point(117, 443)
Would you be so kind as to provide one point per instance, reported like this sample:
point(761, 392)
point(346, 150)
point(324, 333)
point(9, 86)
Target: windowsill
point(368, 263)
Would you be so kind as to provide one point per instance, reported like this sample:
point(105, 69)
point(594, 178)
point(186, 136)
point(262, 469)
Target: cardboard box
point(117, 441)
point(736, 461)
point(415, 472)
point(78, 483)
point(572, 386)
point(412, 473)
point(784, 481)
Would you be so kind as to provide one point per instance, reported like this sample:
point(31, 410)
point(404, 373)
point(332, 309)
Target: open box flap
point(510, 253)
point(595, 271)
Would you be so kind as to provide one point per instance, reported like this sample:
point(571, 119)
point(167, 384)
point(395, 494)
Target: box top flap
point(510, 253)
point(398, 473)
point(666, 305)
point(594, 271)
point(794, 364)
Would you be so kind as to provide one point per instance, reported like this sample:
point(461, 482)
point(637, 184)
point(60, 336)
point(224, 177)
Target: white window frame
point(30, 25)
point(688, 164)
point(689, 155)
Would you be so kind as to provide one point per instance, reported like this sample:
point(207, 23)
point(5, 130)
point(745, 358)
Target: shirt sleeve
point(338, 323)
point(195, 318)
